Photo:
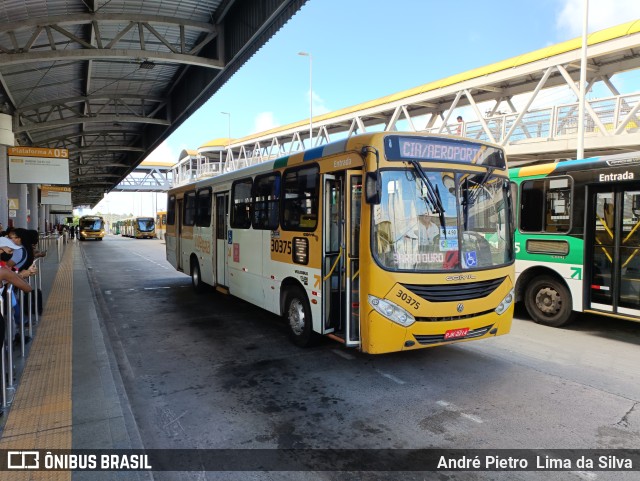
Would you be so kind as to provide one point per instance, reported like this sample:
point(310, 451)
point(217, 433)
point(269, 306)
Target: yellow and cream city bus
point(91, 227)
point(161, 224)
point(138, 227)
point(384, 241)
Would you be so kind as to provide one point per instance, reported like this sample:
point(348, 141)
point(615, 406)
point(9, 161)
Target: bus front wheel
point(196, 278)
point(548, 302)
point(298, 316)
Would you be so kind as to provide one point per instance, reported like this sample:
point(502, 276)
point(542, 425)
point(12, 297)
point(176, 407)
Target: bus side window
point(300, 198)
point(531, 206)
point(189, 214)
point(266, 201)
point(171, 210)
point(241, 204)
point(203, 207)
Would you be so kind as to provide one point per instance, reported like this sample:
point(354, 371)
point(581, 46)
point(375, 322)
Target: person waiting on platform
point(460, 126)
point(23, 263)
point(19, 257)
point(8, 276)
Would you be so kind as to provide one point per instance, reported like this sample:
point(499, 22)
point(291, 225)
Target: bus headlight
point(506, 302)
point(391, 311)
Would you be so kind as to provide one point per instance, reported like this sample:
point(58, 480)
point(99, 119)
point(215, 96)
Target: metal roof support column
point(525, 129)
point(32, 217)
point(525, 109)
point(242, 157)
point(391, 125)
point(408, 117)
point(587, 105)
point(453, 105)
point(485, 127)
point(607, 81)
point(431, 121)
point(627, 118)
point(324, 134)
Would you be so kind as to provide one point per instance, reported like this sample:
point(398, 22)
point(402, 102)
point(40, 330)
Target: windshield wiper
point(433, 195)
point(480, 184)
point(469, 198)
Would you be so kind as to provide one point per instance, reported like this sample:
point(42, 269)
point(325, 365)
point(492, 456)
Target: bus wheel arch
point(296, 311)
point(546, 296)
point(196, 274)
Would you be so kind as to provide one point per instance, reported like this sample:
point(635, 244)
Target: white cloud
point(602, 14)
point(319, 105)
point(264, 121)
point(163, 153)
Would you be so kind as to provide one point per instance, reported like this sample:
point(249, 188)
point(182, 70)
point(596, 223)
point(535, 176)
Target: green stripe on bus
point(281, 162)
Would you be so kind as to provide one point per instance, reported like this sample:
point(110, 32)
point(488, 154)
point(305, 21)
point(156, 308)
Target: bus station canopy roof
point(110, 80)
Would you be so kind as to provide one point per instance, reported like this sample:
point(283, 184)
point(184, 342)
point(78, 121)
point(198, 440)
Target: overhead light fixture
point(147, 64)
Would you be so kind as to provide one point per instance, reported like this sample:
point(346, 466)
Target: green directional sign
point(576, 273)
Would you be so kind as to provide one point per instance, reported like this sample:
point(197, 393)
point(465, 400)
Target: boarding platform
point(64, 393)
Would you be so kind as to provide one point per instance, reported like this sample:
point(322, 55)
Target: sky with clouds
point(366, 49)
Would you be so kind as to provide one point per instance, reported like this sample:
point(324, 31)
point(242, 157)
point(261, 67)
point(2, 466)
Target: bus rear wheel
point(548, 302)
point(298, 316)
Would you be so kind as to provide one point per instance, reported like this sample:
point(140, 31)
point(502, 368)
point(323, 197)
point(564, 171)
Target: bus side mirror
point(372, 187)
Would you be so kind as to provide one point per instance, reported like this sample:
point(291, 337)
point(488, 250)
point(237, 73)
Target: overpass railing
point(609, 116)
point(605, 117)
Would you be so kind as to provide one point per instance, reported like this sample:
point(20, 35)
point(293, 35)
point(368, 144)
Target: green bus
point(578, 238)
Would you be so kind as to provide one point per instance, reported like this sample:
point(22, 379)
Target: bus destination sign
point(442, 150)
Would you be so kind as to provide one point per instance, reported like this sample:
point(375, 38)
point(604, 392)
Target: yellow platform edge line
point(41, 414)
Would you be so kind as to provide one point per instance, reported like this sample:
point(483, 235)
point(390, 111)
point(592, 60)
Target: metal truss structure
point(110, 80)
point(501, 96)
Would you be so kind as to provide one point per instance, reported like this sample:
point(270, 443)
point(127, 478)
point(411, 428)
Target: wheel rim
point(548, 301)
point(296, 316)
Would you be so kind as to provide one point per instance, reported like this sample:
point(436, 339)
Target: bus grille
point(435, 338)
point(455, 292)
point(453, 318)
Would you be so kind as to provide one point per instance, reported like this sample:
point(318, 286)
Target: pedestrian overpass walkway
point(502, 103)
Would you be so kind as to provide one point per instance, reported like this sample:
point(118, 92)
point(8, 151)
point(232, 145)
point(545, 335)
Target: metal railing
point(606, 117)
point(613, 116)
point(27, 308)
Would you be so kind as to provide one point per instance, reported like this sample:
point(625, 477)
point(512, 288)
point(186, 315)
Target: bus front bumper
point(386, 336)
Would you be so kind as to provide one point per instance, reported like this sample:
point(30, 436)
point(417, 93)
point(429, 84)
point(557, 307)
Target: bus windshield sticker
point(449, 244)
point(471, 259)
point(402, 148)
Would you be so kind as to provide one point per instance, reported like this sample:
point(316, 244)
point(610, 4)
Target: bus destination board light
point(405, 148)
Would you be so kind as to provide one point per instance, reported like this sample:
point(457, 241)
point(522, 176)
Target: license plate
point(456, 333)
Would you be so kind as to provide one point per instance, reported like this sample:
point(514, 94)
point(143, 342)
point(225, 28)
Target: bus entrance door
point(222, 229)
point(613, 254)
point(340, 267)
point(332, 256)
point(179, 203)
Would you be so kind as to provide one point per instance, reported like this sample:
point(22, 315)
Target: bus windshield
point(146, 224)
point(91, 224)
point(473, 231)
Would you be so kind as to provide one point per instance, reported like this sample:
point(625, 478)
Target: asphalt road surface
point(212, 372)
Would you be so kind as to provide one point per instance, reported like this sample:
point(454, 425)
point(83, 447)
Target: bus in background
point(91, 227)
point(161, 224)
point(139, 227)
point(578, 238)
point(384, 241)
